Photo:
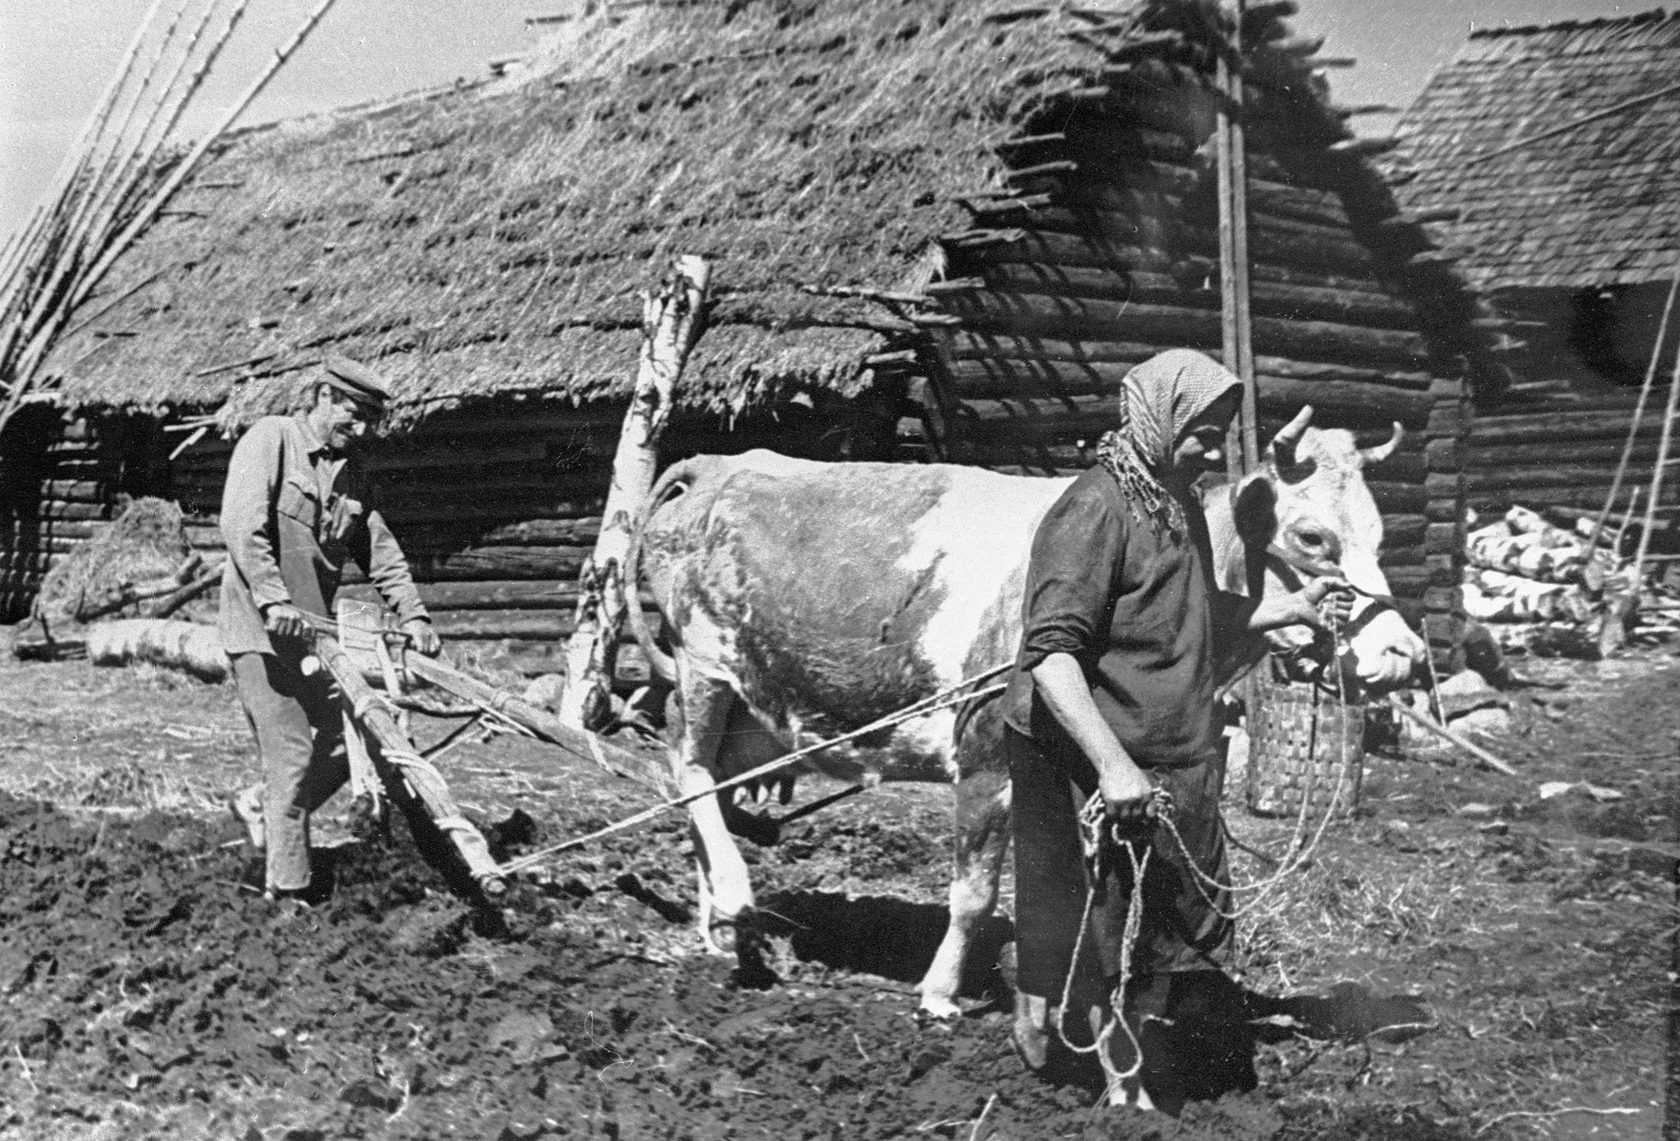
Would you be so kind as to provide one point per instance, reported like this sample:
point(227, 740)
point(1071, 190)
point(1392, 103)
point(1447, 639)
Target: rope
point(1296, 855)
point(944, 699)
point(1128, 944)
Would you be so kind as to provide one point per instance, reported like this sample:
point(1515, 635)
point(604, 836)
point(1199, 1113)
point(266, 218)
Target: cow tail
point(675, 481)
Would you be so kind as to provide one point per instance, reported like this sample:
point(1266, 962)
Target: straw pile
point(147, 542)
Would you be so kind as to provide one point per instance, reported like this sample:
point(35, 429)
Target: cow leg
point(725, 890)
point(982, 838)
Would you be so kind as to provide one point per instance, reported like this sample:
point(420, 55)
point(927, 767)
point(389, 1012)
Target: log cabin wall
point(1554, 439)
point(1109, 253)
point(64, 477)
point(498, 504)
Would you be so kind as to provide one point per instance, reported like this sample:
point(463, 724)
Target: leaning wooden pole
point(672, 321)
point(161, 196)
point(1638, 416)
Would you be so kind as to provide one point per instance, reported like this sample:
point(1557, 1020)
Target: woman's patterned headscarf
point(1158, 399)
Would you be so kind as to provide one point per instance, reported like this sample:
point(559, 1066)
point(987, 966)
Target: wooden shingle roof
point(1560, 147)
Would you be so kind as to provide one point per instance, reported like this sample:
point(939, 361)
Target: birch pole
point(672, 321)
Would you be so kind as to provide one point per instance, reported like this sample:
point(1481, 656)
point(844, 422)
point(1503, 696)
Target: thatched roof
point(1597, 202)
point(492, 238)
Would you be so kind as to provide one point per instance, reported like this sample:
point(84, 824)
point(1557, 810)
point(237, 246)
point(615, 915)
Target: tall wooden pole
point(1243, 444)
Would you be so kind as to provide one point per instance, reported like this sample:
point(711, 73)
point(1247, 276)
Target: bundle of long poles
point(119, 174)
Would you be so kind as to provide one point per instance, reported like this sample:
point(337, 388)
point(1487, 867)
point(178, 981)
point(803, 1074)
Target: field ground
point(145, 993)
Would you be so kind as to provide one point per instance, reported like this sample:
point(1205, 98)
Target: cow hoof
point(1032, 1043)
point(938, 1006)
point(1029, 1032)
point(752, 971)
point(718, 938)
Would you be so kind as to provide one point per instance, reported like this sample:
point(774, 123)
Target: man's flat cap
point(355, 378)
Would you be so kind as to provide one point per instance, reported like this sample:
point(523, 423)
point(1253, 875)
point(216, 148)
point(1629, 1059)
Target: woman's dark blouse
point(1136, 610)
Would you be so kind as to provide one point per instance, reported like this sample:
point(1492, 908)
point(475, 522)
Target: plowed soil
point(147, 992)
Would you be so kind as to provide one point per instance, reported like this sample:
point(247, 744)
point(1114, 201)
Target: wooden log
point(1344, 401)
point(477, 564)
point(525, 533)
point(1272, 299)
point(1404, 530)
point(1401, 467)
point(1560, 475)
point(1168, 190)
point(459, 447)
point(524, 486)
point(1398, 498)
point(1169, 217)
point(1486, 457)
point(1493, 428)
point(553, 624)
point(1407, 581)
point(56, 509)
point(185, 646)
point(1043, 356)
point(1080, 319)
point(1588, 496)
point(420, 513)
point(1321, 248)
point(74, 490)
point(488, 594)
point(1444, 538)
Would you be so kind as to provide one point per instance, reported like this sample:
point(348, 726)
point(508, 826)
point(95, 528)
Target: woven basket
point(1296, 740)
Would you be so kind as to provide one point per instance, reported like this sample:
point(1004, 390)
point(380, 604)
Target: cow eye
point(1311, 539)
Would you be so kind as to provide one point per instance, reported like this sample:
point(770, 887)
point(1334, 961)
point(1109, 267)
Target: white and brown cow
point(802, 600)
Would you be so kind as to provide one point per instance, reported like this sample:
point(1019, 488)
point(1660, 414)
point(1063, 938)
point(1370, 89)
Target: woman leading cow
point(1112, 699)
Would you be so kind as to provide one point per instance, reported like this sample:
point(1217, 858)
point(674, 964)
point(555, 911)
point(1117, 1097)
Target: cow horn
point(1381, 452)
point(1283, 445)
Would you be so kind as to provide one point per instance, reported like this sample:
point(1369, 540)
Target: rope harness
point(957, 694)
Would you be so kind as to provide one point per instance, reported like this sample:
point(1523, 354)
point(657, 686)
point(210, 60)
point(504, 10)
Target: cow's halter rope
point(1092, 836)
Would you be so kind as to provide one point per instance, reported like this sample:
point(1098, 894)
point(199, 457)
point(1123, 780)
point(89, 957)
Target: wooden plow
point(386, 762)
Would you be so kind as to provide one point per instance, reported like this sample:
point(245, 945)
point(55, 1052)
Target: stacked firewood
point(1546, 588)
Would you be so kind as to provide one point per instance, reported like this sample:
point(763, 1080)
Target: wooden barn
point(938, 230)
point(1551, 157)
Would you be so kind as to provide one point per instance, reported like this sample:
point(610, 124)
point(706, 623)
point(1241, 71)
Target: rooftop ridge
point(1588, 35)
